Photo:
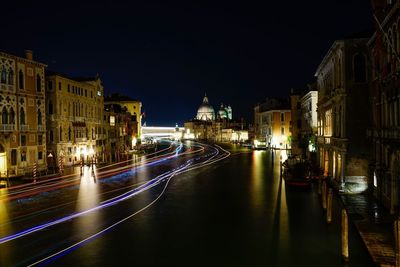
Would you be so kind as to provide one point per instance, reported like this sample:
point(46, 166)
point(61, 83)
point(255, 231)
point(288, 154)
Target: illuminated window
point(112, 120)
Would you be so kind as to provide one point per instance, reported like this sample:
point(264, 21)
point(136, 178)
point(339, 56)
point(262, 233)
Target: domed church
point(205, 111)
point(225, 112)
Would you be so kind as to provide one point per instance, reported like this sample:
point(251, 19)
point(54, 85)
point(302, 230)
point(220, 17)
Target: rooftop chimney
point(29, 54)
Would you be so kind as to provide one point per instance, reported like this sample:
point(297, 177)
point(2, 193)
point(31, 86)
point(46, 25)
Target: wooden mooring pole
point(319, 185)
point(397, 241)
point(324, 194)
point(329, 206)
point(345, 236)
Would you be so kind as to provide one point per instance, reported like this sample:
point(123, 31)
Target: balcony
point(80, 139)
point(100, 136)
point(391, 133)
point(24, 128)
point(323, 140)
point(339, 142)
point(7, 127)
point(80, 119)
point(41, 128)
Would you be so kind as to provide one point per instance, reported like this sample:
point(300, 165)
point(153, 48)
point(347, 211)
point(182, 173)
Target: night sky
point(169, 55)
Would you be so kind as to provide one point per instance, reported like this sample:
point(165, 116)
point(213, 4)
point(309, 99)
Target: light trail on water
point(186, 168)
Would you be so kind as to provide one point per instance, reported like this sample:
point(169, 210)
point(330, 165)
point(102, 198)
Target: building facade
point(74, 119)
point(343, 112)
point(385, 91)
point(272, 123)
point(22, 106)
point(133, 106)
point(308, 130)
point(120, 126)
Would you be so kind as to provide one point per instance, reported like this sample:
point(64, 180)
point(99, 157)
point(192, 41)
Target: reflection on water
point(5, 229)
point(88, 193)
point(88, 197)
point(275, 200)
point(256, 179)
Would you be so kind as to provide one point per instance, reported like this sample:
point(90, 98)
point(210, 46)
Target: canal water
point(235, 213)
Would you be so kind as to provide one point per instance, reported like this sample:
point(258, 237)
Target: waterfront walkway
point(375, 225)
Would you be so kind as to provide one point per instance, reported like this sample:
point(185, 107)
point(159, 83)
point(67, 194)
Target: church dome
point(205, 111)
point(222, 113)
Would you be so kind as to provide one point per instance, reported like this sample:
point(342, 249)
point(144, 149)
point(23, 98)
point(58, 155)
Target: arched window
point(93, 136)
point(51, 137)
point(3, 75)
point(50, 107)
point(21, 79)
point(12, 116)
point(60, 133)
point(39, 117)
point(359, 68)
point(22, 116)
point(69, 133)
point(10, 77)
point(4, 116)
point(38, 83)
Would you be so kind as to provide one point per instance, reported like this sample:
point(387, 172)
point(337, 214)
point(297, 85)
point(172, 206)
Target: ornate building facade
point(385, 91)
point(343, 112)
point(74, 118)
point(22, 107)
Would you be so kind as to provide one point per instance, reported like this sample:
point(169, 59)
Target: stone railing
point(24, 127)
point(7, 127)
